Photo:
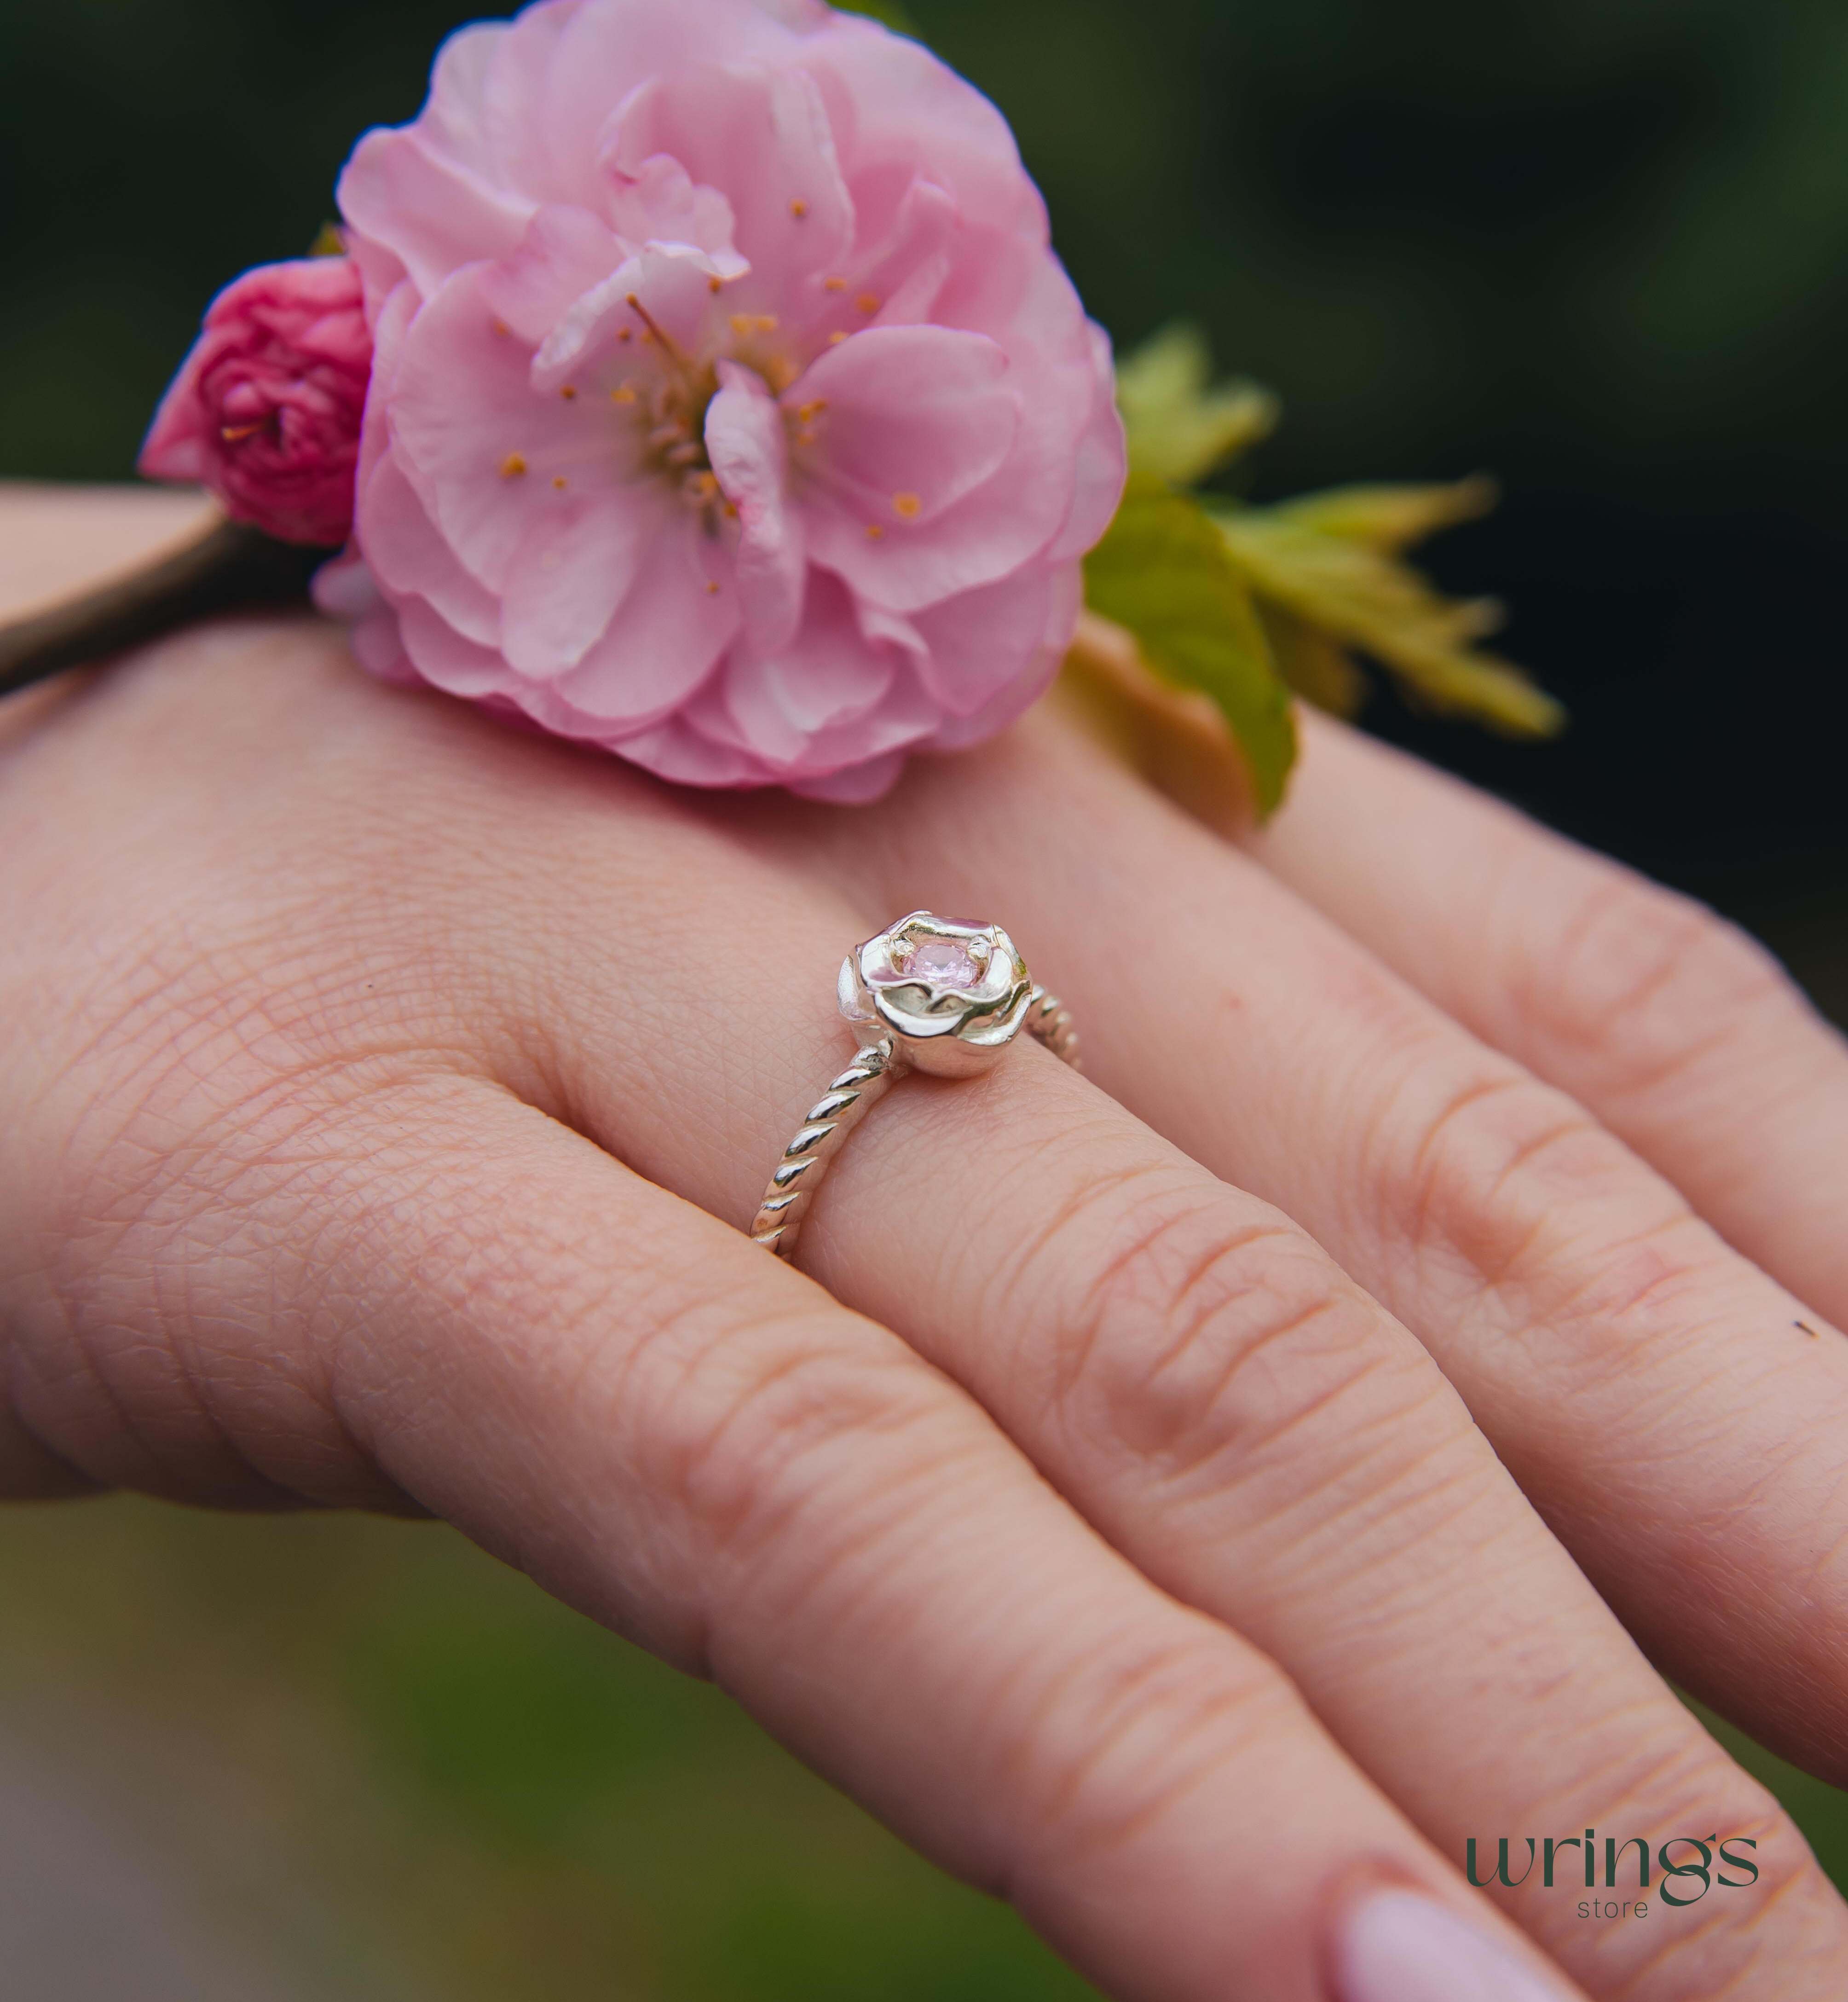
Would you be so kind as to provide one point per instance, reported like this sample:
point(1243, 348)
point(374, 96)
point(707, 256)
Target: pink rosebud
point(265, 411)
point(731, 411)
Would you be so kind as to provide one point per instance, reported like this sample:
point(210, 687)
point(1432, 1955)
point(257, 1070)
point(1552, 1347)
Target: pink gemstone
point(945, 963)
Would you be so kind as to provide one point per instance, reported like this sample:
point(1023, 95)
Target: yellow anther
point(742, 324)
point(512, 466)
point(809, 412)
point(835, 339)
point(836, 285)
point(502, 329)
point(798, 208)
point(910, 505)
point(712, 589)
point(559, 481)
point(874, 532)
point(624, 396)
point(868, 303)
point(715, 284)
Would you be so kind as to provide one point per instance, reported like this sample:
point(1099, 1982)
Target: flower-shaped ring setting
point(927, 994)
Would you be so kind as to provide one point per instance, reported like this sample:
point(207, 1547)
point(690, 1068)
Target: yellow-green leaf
point(1316, 668)
point(1392, 518)
point(1163, 572)
point(1180, 427)
point(1365, 599)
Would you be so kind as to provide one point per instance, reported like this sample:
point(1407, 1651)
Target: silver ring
point(926, 994)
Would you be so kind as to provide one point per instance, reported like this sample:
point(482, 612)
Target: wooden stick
point(228, 567)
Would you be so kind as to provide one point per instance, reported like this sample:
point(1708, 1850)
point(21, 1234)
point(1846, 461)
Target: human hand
point(336, 1009)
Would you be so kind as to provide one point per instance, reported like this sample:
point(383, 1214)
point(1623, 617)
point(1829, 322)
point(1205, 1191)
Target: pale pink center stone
point(945, 963)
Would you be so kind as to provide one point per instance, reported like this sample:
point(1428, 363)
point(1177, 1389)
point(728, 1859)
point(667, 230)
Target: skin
point(1175, 1498)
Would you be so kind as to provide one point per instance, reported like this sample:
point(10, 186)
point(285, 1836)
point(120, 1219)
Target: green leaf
point(1391, 519)
point(1315, 666)
point(1180, 427)
point(1163, 571)
point(1364, 598)
point(889, 12)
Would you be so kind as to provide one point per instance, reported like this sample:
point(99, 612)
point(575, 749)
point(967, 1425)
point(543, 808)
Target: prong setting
point(926, 994)
point(951, 996)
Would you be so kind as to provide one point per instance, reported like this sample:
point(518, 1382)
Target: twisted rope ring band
point(926, 994)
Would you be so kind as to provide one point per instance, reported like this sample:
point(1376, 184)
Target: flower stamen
point(668, 346)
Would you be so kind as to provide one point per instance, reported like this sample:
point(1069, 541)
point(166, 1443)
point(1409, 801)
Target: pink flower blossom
point(731, 410)
point(266, 409)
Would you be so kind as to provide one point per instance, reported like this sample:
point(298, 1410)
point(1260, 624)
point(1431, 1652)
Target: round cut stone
point(945, 963)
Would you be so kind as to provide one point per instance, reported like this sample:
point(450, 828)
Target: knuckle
point(1714, 1831)
point(1123, 1740)
point(1640, 982)
point(796, 1462)
point(1507, 1185)
point(1195, 1333)
point(1480, 1158)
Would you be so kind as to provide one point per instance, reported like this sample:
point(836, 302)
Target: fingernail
point(1398, 1946)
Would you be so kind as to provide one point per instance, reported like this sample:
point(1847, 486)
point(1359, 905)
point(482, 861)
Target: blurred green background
point(1599, 247)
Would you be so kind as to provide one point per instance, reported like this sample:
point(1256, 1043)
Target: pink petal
point(760, 137)
point(858, 786)
point(890, 101)
point(452, 121)
point(480, 444)
point(343, 587)
point(407, 555)
point(1012, 700)
point(918, 410)
point(831, 701)
point(578, 563)
point(665, 638)
point(389, 326)
point(674, 285)
point(565, 253)
point(516, 97)
point(430, 211)
point(178, 446)
point(606, 50)
point(1103, 464)
point(662, 206)
point(935, 474)
point(675, 752)
point(444, 658)
point(979, 642)
point(749, 449)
